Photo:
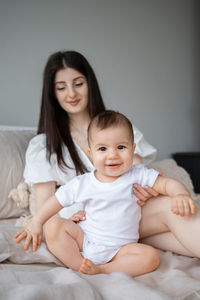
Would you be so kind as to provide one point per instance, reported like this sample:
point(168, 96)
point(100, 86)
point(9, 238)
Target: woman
point(70, 98)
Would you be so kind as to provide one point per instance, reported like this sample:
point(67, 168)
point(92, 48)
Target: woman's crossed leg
point(161, 228)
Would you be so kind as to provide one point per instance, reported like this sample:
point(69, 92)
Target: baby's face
point(112, 152)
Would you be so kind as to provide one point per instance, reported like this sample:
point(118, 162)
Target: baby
point(108, 240)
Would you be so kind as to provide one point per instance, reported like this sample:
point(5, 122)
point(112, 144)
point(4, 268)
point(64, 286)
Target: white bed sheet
point(39, 275)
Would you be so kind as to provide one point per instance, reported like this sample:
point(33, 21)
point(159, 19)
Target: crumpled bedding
point(39, 275)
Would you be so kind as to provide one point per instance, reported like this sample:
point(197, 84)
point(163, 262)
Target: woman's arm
point(142, 194)
point(43, 191)
point(47, 210)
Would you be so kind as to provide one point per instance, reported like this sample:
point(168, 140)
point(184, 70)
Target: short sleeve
point(143, 148)
point(65, 193)
point(37, 167)
point(144, 176)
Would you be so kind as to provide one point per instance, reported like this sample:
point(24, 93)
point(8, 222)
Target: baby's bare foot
point(88, 267)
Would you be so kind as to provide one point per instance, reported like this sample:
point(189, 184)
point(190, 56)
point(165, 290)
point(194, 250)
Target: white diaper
point(98, 253)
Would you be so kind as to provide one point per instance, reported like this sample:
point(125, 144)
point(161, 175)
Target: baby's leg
point(134, 259)
point(65, 239)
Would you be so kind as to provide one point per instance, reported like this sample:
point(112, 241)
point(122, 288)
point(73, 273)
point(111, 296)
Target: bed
point(39, 275)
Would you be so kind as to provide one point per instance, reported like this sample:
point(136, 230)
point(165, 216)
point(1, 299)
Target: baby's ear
point(134, 145)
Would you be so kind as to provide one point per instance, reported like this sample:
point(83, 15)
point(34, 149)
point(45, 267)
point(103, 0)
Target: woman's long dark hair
point(54, 120)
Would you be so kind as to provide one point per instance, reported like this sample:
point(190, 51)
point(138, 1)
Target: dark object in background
point(190, 161)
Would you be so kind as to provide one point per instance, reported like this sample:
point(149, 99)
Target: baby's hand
point(33, 232)
point(79, 216)
point(182, 205)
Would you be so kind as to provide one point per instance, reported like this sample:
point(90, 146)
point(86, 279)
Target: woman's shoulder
point(38, 140)
point(36, 150)
point(37, 144)
point(37, 166)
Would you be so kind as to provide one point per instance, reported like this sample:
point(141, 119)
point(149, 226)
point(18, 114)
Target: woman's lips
point(74, 103)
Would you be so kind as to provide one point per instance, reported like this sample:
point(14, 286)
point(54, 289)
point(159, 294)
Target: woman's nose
point(71, 92)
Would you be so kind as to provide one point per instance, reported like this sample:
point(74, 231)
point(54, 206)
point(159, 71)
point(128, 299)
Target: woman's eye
point(77, 84)
point(120, 147)
point(102, 149)
point(60, 88)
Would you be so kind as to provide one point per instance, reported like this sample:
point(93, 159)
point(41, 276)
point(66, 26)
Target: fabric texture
point(39, 275)
point(13, 145)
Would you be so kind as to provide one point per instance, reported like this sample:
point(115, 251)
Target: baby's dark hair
point(110, 118)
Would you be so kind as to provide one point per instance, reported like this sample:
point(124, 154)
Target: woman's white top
point(38, 169)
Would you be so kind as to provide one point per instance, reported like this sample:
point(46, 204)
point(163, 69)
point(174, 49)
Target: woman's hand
point(79, 216)
point(143, 194)
point(182, 205)
point(32, 232)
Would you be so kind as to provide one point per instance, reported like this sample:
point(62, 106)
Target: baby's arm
point(33, 232)
point(181, 201)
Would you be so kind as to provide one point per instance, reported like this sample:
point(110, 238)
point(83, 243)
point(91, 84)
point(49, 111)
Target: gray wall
point(145, 54)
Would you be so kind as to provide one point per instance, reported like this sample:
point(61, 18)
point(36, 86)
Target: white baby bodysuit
point(112, 213)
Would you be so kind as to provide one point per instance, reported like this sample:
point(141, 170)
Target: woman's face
point(71, 90)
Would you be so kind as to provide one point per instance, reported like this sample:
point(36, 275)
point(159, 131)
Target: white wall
point(145, 54)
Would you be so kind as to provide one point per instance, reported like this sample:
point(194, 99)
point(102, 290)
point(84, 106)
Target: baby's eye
point(121, 147)
point(102, 149)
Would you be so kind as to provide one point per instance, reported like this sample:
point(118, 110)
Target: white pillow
point(13, 144)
